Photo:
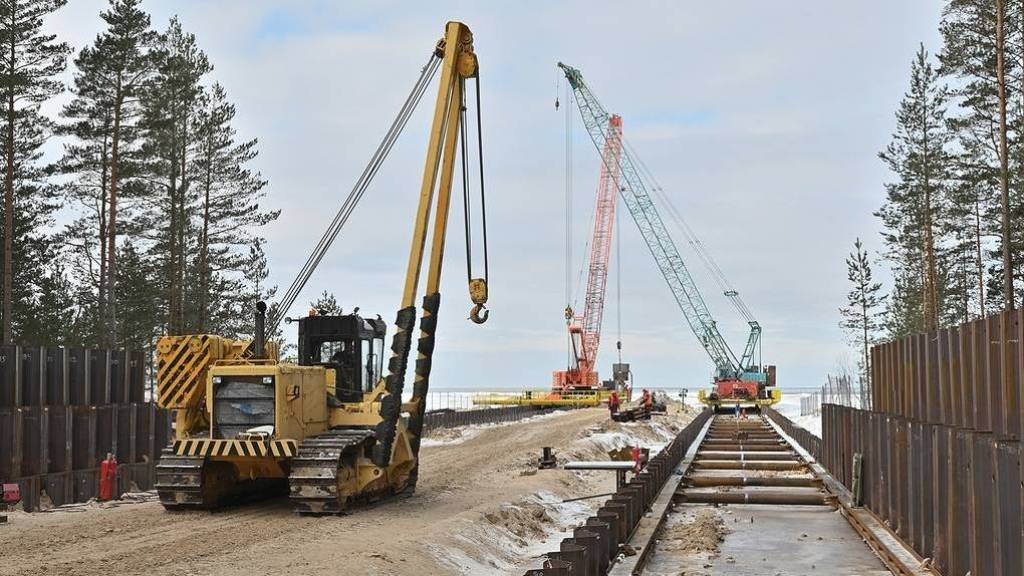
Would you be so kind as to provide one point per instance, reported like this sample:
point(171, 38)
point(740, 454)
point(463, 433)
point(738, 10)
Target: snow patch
point(460, 434)
point(525, 529)
point(790, 408)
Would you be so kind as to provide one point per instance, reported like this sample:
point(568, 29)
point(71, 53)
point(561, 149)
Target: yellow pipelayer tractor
point(331, 428)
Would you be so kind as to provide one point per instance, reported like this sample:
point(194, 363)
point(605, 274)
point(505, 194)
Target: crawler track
point(179, 480)
point(320, 467)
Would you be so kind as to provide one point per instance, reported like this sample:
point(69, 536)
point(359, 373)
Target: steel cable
point(356, 194)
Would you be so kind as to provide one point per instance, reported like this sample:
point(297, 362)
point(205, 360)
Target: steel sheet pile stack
point(62, 410)
point(595, 544)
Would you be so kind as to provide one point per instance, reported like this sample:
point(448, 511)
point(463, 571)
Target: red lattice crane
point(585, 329)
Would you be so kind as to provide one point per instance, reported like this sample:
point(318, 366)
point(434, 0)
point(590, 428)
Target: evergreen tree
point(915, 203)
point(229, 208)
point(30, 61)
point(54, 319)
point(326, 304)
point(138, 298)
point(904, 311)
point(981, 41)
point(861, 313)
point(171, 110)
point(103, 155)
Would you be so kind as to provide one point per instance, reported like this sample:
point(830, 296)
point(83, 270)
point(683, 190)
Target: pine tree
point(326, 304)
point(138, 298)
point(103, 156)
point(915, 203)
point(30, 61)
point(982, 41)
point(172, 105)
point(861, 313)
point(229, 210)
point(54, 318)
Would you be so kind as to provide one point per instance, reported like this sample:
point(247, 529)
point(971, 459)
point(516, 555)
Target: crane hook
point(478, 294)
point(474, 314)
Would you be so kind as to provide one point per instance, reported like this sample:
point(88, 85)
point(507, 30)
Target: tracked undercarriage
point(325, 474)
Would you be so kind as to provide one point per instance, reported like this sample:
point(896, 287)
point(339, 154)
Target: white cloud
point(777, 182)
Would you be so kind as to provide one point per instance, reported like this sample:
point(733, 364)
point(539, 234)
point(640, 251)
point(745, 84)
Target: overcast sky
point(762, 120)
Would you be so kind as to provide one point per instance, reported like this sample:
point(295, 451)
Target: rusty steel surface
point(595, 544)
point(59, 448)
point(952, 493)
point(455, 418)
point(966, 376)
point(942, 448)
point(895, 552)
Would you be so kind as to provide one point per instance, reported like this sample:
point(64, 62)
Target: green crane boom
point(641, 207)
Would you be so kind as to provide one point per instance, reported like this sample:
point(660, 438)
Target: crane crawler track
point(324, 463)
point(179, 480)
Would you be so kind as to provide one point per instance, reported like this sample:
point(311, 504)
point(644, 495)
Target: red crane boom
point(585, 329)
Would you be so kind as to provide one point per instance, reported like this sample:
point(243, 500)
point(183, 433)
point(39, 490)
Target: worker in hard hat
point(613, 404)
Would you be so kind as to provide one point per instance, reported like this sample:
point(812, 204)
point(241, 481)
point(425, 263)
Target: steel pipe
point(745, 447)
point(755, 497)
point(747, 465)
point(777, 481)
point(733, 455)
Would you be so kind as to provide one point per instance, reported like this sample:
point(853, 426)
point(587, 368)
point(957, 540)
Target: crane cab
point(754, 388)
point(350, 345)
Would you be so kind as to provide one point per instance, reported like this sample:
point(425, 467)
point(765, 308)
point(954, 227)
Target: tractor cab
point(351, 345)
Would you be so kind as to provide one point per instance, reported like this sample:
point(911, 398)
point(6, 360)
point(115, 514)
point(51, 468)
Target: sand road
point(461, 485)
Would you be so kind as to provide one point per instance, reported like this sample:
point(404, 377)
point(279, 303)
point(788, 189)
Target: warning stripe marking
point(243, 448)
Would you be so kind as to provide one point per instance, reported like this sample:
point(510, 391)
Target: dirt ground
point(480, 507)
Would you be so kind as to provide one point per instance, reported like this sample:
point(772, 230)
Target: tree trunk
point(9, 197)
point(112, 223)
point(1004, 170)
point(204, 249)
point(101, 288)
point(182, 222)
point(930, 283)
point(172, 242)
point(172, 238)
point(864, 318)
point(981, 262)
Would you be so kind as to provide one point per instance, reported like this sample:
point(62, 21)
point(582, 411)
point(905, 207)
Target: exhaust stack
point(260, 340)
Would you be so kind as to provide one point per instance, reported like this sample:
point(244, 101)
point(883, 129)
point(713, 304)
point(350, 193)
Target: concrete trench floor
point(780, 541)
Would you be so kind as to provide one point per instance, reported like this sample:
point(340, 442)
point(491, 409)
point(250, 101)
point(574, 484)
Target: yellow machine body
point(329, 429)
point(300, 411)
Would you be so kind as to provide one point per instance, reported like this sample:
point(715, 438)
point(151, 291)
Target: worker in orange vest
point(613, 403)
point(646, 402)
